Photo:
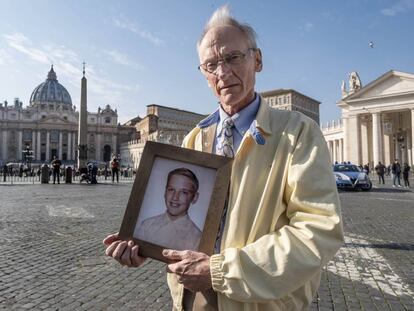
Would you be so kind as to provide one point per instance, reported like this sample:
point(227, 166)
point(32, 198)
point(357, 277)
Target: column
point(330, 150)
point(19, 145)
point(69, 144)
point(409, 148)
point(60, 145)
point(376, 138)
point(33, 146)
point(364, 143)
point(412, 137)
point(353, 140)
point(38, 144)
point(345, 154)
point(114, 144)
point(47, 146)
point(2, 146)
point(74, 146)
point(388, 149)
point(5, 144)
point(334, 154)
point(98, 153)
point(341, 150)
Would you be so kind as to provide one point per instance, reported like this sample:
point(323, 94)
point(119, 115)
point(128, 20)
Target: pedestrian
point(380, 170)
point(115, 168)
point(396, 173)
point(282, 224)
point(56, 163)
point(406, 172)
point(365, 169)
point(38, 172)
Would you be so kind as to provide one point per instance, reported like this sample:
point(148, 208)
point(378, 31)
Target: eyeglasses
point(231, 60)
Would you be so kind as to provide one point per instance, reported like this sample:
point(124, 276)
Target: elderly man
point(174, 228)
point(282, 222)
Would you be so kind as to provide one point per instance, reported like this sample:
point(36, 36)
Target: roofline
point(282, 91)
point(176, 109)
point(387, 74)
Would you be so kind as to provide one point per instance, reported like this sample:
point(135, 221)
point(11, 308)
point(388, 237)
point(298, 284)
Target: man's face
point(179, 195)
point(233, 85)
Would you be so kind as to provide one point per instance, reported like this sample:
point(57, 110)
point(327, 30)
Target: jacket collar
point(260, 124)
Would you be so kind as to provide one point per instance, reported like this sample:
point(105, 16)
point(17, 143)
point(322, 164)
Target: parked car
point(349, 176)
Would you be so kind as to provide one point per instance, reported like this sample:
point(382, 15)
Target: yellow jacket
point(283, 221)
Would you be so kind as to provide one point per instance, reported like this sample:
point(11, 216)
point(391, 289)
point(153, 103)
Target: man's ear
point(195, 198)
point(258, 60)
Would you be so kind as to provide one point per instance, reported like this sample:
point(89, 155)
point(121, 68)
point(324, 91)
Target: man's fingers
point(110, 239)
point(136, 260)
point(126, 256)
point(175, 268)
point(110, 249)
point(174, 254)
point(119, 250)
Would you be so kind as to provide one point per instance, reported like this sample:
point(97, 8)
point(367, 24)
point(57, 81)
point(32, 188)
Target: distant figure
point(365, 169)
point(380, 169)
point(396, 172)
point(56, 163)
point(406, 171)
point(115, 169)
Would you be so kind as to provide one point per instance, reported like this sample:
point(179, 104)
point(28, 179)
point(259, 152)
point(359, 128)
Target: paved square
point(52, 257)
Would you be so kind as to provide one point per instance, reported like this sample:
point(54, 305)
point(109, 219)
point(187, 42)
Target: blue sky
point(143, 52)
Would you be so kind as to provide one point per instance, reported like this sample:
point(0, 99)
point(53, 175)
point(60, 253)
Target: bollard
point(45, 174)
point(68, 175)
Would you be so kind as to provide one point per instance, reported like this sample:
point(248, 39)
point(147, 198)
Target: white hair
point(222, 17)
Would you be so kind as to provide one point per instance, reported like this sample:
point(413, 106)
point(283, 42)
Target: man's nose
point(223, 70)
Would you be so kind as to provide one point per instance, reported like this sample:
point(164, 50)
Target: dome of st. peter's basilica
point(50, 91)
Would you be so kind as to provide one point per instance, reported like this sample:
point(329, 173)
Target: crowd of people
point(58, 170)
point(395, 170)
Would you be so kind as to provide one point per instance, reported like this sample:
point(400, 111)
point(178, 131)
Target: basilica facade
point(48, 127)
point(377, 123)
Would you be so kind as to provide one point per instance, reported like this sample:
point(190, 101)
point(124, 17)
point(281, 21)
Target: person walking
point(380, 169)
point(396, 173)
point(406, 171)
point(56, 163)
point(115, 169)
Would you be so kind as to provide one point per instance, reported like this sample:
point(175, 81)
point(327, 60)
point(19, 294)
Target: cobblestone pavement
point(52, 257)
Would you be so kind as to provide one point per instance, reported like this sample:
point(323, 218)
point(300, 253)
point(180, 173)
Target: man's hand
point(125, 252)
point(192, 268)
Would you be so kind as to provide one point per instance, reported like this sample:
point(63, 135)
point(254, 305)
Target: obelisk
point(83, 127)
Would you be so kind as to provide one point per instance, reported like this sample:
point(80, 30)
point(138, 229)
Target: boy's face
point(179, 195)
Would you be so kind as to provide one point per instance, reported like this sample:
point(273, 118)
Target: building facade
point(377, 123)
point(48, 126)
point(161, 124)
point(293, 100)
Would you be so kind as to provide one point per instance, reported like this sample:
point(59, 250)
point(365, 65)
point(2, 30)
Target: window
point(108, 120)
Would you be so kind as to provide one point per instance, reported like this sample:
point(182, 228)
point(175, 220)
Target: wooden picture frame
point(150, 188)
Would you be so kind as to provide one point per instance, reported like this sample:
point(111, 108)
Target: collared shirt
point(242, 121)
point(180, 233)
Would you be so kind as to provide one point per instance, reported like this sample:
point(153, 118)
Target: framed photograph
point(176, 201)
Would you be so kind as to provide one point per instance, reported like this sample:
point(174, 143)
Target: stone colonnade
point(336, 150)
point(378, 137)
